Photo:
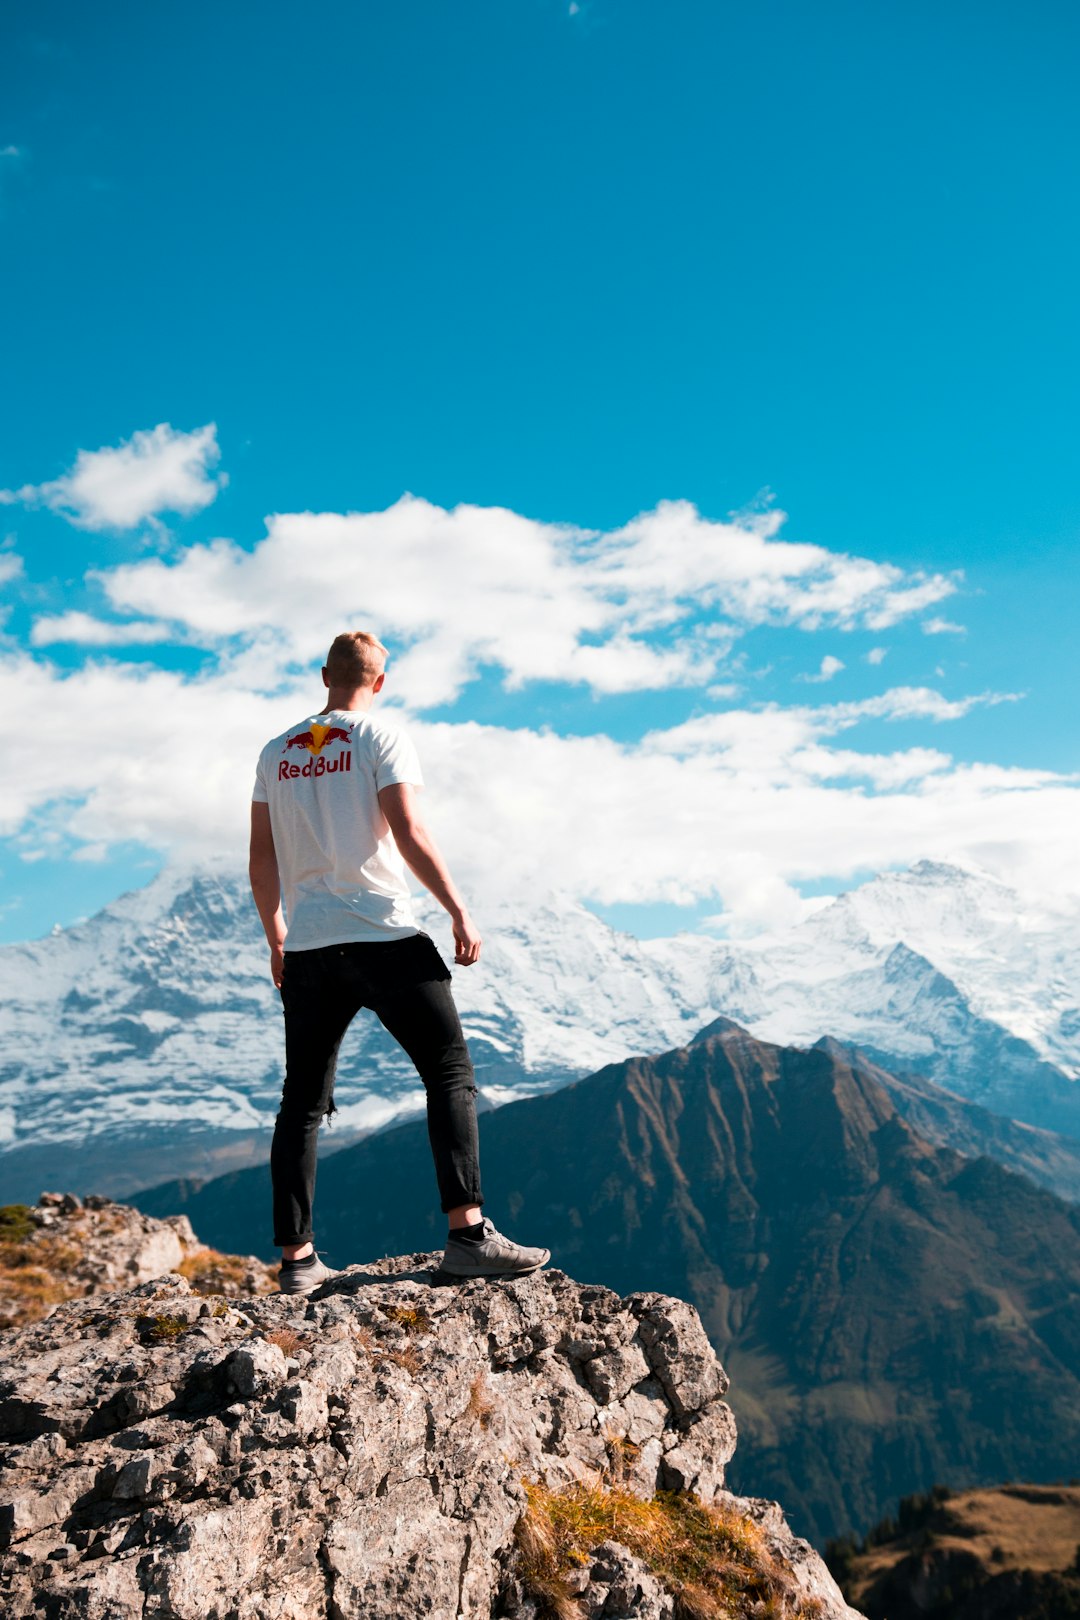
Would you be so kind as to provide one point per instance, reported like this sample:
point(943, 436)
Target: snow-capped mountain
point(148, 1039)
point(147, 1042)
point(938, 970)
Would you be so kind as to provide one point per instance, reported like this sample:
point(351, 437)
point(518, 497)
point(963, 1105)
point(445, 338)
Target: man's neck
point(351, 701)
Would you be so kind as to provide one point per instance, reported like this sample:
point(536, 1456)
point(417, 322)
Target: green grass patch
point(16, 1224)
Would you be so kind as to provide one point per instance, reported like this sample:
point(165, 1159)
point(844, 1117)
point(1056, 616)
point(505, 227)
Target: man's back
point(342, 874)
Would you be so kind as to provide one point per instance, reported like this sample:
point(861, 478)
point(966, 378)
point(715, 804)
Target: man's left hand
point(277, 965)
point(466, 940)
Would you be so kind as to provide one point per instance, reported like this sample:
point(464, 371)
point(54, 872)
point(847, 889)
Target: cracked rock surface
point(359, 1452)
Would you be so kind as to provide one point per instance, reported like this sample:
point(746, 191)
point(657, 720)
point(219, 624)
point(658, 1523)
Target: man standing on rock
point(334, 823)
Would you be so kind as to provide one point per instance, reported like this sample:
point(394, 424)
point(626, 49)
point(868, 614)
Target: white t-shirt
point(341, 874)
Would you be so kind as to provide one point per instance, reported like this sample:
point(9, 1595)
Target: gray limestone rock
point(615, 1585)
point(361, 1452)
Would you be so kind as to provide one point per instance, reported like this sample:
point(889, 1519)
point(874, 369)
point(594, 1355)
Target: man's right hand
point(466, 941)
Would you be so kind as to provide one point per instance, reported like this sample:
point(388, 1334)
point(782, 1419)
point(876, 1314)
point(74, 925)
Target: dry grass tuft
point(364, 1337)
point(288, 1340)
point(408, 1357)
point(714, 1562)
point(37, 1262)
point(622, 1453)
point(480, 1404)
point(211, 1272)
point(16, 1223)
point(35, 1268)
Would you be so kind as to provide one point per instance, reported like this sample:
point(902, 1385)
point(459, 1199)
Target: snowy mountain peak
point(930, 900)
point(153, 1028)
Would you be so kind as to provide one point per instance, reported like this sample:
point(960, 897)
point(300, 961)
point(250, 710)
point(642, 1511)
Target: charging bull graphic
point(313, 741)
point(316, 739)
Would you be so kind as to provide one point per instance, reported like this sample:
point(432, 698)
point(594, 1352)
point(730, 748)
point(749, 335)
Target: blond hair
point(355, 659)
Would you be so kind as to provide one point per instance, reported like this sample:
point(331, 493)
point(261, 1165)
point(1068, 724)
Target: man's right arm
point(421, 855)
point(266, 886)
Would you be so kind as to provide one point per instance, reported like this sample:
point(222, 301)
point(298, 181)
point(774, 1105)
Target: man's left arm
point(421, 855)
point(266, 886)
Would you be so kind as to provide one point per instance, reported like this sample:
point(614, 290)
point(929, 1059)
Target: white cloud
point(452, 591)
point(877, 655)
point(740, 806)
point(882, 770)
point(145, 736)
point(830, 666)
point(755, 738)
point(11, 151)
point(123, 486)
point(11, 566)
point(82, 629)
point(942, 627)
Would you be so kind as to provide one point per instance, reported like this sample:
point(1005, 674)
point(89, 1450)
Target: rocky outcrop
point(65, 1247)
point(367, 1451)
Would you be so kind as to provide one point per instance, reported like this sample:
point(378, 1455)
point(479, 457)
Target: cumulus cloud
point(82, 629)
point(122, 486)
point(877, 655)
point(656, 603)
point(830, 666)
point(145, 736)
point(774, 734)
point(740, 806)
point(11, 566)
point(943, 627)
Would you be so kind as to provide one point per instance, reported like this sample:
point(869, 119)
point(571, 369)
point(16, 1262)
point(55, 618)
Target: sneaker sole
point(296, 1293)
point(443, 1275)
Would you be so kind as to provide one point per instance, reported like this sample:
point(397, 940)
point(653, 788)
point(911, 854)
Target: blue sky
point(572, 262)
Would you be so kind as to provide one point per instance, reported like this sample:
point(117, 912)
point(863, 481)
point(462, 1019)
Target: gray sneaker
point(304, 1279)
point(493, 1256)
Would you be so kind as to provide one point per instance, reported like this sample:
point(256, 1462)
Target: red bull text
point(319, 766)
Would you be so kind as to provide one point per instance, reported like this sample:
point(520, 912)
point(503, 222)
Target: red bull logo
point(314, 740)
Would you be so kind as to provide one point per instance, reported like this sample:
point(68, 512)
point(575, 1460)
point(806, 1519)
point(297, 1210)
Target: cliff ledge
point(385, 1448)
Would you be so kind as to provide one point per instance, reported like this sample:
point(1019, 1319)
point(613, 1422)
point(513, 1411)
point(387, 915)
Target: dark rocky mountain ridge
point(950, 1120)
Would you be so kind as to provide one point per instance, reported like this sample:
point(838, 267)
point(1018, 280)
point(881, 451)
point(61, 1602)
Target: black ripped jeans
point(406, 984)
